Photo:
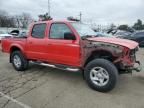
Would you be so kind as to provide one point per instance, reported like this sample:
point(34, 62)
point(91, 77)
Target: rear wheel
point(20, 63)
point(101, 75)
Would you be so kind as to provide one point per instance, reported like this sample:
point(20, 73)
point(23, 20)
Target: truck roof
point(52, 21)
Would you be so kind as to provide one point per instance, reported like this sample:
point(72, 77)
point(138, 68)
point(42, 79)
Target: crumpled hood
point(123, 42)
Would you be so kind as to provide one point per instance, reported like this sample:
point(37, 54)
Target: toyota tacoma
point(74, 46)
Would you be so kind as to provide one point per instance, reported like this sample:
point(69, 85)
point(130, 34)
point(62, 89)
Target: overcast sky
point(98, 11)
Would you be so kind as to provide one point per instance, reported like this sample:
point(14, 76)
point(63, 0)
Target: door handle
point(49, 44)
point(30, 42)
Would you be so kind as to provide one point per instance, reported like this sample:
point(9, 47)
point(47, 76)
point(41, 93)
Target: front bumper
point(137, 67)
point(128, 68)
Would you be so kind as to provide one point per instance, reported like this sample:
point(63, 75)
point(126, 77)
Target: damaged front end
point(128, 62)
point(123, 57)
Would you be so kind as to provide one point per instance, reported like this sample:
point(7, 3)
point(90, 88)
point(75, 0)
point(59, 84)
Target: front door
point(61, 50)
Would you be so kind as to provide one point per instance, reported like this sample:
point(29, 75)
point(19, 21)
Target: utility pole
point(80, 16)
point(49, 7)
point(17, 19)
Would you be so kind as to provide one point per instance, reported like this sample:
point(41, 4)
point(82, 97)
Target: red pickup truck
point(74, 46)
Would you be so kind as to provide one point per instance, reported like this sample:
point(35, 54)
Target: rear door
point(36, 42)
point(60, 50)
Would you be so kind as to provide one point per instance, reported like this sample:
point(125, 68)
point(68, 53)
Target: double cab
point(74, 46)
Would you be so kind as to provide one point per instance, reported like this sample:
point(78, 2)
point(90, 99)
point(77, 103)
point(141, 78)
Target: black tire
point(24, 62)
point(112, 72)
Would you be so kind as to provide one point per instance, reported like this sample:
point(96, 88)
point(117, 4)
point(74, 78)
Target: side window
point(38, 30)
point(58, 30)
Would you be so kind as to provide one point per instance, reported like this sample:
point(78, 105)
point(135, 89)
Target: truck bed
point(8, 42)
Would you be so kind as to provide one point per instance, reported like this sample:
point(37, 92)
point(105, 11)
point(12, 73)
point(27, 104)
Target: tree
point(138, 25)
point(6, 20)
point(23, 20)
point(123, 27)
point(112, 26)
point(44, 17)
point(72, 19)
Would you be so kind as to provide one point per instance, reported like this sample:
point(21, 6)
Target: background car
point(101, 34)
point(137, 36)
point(5, 35)
point(122, 34)
point(19, 33)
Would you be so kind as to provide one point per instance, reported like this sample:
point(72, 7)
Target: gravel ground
point(44, 87)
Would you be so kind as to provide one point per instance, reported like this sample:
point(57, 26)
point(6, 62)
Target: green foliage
point(45, 17)
point(123, 27)
point(138, 25)
point(72, 19)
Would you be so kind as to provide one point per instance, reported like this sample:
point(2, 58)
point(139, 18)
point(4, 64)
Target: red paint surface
point(123, 42)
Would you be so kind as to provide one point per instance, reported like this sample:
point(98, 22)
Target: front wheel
point(101, 75)
point(18, 60)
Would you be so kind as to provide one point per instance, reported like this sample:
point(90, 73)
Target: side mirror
point(69, 36)
point(25, 36)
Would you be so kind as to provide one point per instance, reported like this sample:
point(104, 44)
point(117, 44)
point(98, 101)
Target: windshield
point(83, 29)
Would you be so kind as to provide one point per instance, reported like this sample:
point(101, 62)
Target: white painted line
point(14, 100)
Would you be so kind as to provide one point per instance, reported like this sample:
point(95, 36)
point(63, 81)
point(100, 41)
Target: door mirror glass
point(69, 36)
